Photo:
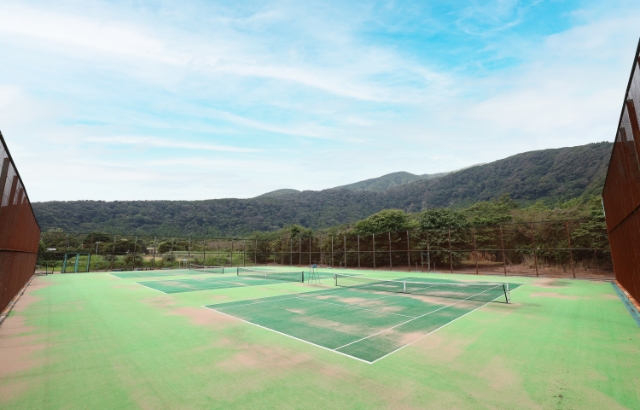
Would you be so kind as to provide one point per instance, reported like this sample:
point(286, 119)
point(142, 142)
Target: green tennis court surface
point(97, 341)
point(192, 285)
point(158, 273)
point(362, 321)
point(248, 278)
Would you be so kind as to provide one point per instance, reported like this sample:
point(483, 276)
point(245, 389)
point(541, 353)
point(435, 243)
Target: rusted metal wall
point(19, 231)
point(621, 194)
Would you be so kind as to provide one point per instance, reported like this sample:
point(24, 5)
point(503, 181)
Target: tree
point(492, 212)
point(390, 220)
point(446, 228)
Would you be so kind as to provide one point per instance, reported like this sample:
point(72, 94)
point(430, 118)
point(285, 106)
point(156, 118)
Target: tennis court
point(243, 277)
point(367, 319)
point(171, 272)
point(193, 285)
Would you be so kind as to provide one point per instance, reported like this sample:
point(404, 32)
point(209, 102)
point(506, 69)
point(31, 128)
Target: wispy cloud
point(164, 143)
point(305, 96)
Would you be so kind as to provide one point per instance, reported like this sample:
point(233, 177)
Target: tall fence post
point(300, 251)
point(504, 256)
point(90, 249)
point(173, 257)
point(374, 251)
point(310, 249)
point(344, 237)
point(113, 253)
point(255, 253)
point(450, 253)
point(290, 251)
point(428, 252)
point(135, 248)
point(332, 251)
point(475, 249)
point(408, 251)
point(533, 244)
point(321, 252)
point(204, 252)
point(231, 264)
point(358, 251)
point(390, 255)
point(244, 252)
point(189, 251)
point(573, 271)
point(155, 249)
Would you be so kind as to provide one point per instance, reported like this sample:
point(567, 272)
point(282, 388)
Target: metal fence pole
point(173, 258)
point(390, 255)
point(428, 251)
point(533, 244)
point(408, 251)
point(90, 249)
point(204, 252)
point(189, 251)
point(231, 252)
point(504, 257)
point(255, 254)
point(573, 271)
point(290, 251)
point(135, 248)
point(475, 249)
point(113, 253)
point(374, 251)
point(244, 252)
point(300, 251)
point(332, 251)
point(321, 252)
point(358, 251)
point(155, 249)
point(450, 254)
point(345, 249)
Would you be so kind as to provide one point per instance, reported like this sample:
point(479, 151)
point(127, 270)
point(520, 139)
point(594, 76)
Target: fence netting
point(572, 248)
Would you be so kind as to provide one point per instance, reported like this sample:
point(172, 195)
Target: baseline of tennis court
point(360, 323)
point(160, 273)
point(208, 283)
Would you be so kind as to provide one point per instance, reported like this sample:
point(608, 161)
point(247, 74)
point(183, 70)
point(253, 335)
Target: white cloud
point(164, 143)
point(280, 97)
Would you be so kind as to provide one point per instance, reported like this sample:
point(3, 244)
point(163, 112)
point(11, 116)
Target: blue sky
point(201, 99)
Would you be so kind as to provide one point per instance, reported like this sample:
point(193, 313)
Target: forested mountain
point(279, 193)
point(549, 175)
point(388, 181)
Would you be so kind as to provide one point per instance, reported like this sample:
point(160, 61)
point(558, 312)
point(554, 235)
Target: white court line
point(293, 337)
point(355, 307)
point(148, 287)
point(348, 355)
point(295, 295)
point(436, 329)
point(421, 316)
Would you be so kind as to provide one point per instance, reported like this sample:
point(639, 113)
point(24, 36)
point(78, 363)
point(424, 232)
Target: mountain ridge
point(549, 175)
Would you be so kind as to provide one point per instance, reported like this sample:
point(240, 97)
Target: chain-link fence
point(572, 248)
point(19, 231)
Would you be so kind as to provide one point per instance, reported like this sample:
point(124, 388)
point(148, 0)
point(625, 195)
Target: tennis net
point(267, 274)
point(206, 269)
point(466, 291)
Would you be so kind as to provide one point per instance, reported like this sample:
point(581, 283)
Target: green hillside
point(552, 176)
point(388, 181)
